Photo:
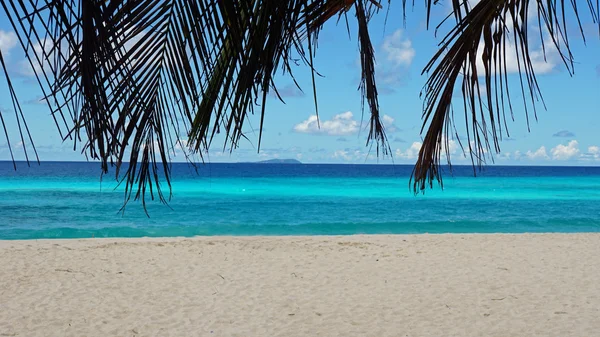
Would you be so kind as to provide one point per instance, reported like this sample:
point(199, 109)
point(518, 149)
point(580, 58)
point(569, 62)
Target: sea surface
point(72, 200)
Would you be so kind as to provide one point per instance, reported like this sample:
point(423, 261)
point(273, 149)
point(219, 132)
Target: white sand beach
point(399, 285)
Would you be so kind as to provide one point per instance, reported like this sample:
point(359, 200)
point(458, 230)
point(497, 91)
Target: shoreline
point(352, 285)
point(275, 236)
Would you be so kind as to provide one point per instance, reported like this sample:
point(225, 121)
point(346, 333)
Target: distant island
point(279, 161)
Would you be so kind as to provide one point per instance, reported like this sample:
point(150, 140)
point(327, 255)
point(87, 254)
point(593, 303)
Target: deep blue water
point(69, 200)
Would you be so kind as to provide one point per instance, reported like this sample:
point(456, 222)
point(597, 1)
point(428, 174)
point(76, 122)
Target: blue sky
point(564, 134)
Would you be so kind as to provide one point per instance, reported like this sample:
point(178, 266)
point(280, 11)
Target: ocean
point(70, 200)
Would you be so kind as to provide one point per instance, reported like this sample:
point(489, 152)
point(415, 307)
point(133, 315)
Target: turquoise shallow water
point(68, 200)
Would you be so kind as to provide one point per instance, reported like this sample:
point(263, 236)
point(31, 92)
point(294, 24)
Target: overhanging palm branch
point(132, 80)
point(491, 26)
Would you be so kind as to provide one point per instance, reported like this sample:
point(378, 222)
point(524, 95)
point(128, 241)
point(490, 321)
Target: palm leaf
point(490, 26)
point(129, 80)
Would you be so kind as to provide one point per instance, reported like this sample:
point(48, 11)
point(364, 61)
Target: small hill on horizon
point(279, 161)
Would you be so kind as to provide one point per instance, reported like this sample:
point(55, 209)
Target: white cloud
point(593, 152)
point(398, 54)
point(484, 150)
point(517, 155)
point(541, 64)
point(388, 120)
point(453, 147)
point(46, 50)
point(398, 50)
point(561, 152)
point(8, 40)
point(566, 152)
point(411, 153)
point(339, 125)
point(43, 49)
point(342, 154)
point(351, 155)
point(536, 54)
point(538, 154)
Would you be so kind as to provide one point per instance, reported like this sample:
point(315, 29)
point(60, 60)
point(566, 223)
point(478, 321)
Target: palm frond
point(368, 86)
point(491, 26)
point(129, 80)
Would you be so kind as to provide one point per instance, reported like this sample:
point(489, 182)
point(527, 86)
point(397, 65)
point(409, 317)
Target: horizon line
point(33, 162)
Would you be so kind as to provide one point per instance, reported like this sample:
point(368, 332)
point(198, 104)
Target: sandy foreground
point(400, 285)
